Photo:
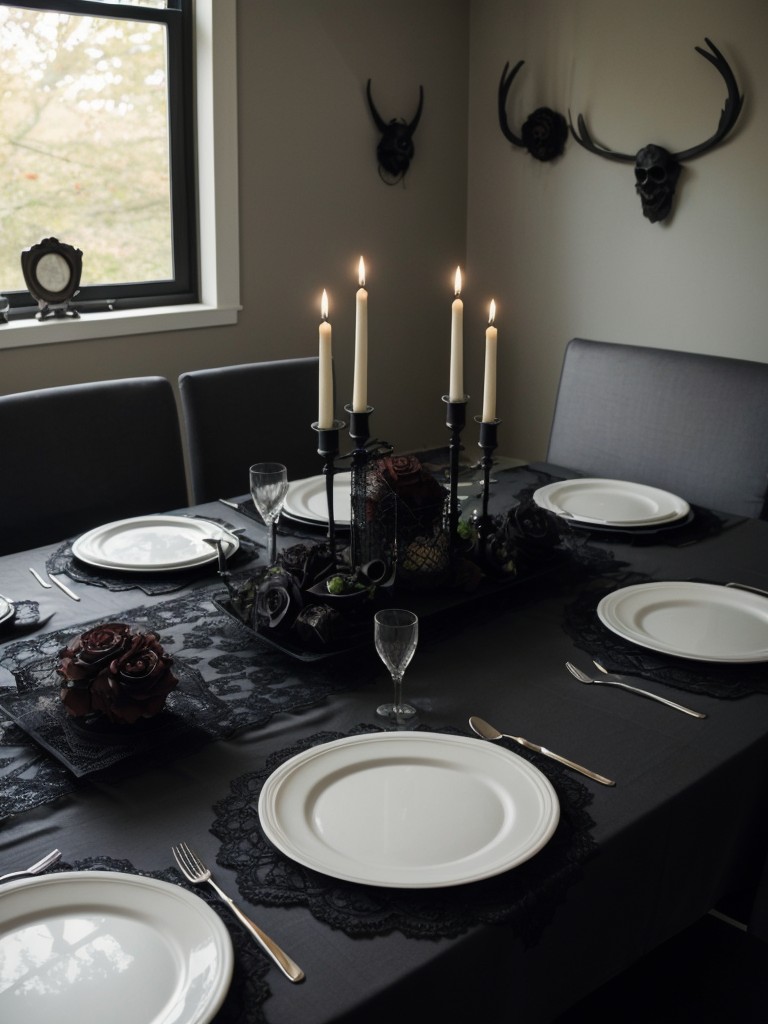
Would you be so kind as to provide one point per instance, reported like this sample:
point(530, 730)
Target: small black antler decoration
point(395, 149)
point(545, 131)
point(656, 169)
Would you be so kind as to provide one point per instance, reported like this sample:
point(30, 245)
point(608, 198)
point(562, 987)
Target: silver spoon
point(36, 869)
point(584, 678)
point(488, 732)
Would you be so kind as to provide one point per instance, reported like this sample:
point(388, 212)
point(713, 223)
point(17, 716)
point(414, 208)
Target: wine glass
point(269, 486)
point(396, 632)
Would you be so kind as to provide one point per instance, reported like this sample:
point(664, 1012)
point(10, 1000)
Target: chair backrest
point(693, 424)
point(77, 456)
point(252, 412)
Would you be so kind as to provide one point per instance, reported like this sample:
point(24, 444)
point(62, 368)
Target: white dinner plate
point(408, 810)
point(703, 621)
point(153, 544)
point(307, 501)
point(107, 946)
point(612, 502)
point(6, 609)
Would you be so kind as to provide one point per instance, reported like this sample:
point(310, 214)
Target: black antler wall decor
point(656, 169)
point(543, 133)
point(395, 149)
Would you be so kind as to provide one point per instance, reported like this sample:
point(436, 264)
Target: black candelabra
point(455, 419)
point(328, 449)
point(488, 442)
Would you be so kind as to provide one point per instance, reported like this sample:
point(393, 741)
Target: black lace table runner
point(230, 681)
point(249, 989)
point(525, 898)
point(713, 679)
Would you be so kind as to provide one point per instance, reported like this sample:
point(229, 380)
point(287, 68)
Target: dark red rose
point(124, 674)
point(278, 601)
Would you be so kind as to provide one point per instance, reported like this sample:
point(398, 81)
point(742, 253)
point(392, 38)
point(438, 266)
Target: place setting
point(157, 554)
point(700, 636)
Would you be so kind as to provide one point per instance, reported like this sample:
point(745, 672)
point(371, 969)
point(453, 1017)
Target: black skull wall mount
point(395, 149)
point(543, 133)
point(656, 169)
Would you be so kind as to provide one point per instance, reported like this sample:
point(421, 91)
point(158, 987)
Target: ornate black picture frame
point(52, 272)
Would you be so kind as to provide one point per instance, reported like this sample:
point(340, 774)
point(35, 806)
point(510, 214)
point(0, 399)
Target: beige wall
point(564, 246)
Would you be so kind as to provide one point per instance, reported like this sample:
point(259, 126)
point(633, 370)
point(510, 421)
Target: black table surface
point(685, 825)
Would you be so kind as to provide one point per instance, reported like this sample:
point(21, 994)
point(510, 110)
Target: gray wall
point(563, 247)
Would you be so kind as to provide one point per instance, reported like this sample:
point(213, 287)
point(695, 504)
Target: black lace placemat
point(26, 619)
point(525, 898)
point(713, 679)
point(245, 684)
point(249, 988)
point(64, 562)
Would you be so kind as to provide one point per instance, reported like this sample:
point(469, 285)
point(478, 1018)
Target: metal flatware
point(63, 586)
point(488, 732)
point(584, 678)
point(231, 504)
point(196, 872)
point(745, 586)
point(40, 579)
point(42, 865)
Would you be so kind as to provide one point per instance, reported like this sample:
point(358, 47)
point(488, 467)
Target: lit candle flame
point(457, 282)
point(492, 312)
point(324, 305)
point(361, 272)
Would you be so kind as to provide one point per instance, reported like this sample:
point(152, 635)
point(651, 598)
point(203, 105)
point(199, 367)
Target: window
point(157, 221)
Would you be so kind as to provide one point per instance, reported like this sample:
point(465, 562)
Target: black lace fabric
point(249, 989)
point(724, 681)
point(246, 683)
point(525, 898)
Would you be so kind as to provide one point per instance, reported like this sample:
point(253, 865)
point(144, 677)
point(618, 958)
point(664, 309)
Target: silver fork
point(196, 872)
point(42, 865)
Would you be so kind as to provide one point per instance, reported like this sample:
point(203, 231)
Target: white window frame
point(218, 221)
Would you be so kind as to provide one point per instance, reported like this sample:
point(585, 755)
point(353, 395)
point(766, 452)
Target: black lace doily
point(25, 619)
point(249, 989)
point(63, 562)
point(525, 898)
point(712, 679)
point(246, 683)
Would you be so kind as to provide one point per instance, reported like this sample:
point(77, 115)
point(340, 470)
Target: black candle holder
point(359, 431)
point(328, 449)
point(455, 420)
point(488, 442)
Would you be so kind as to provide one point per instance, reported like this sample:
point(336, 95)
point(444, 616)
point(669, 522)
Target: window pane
point(85, 148)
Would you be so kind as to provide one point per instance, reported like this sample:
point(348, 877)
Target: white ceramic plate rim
point(523, 805)
point(621, 612)
point(554, 497)
point(173, 917)
point(87, 549)
point(6, 608)
point(305, 500)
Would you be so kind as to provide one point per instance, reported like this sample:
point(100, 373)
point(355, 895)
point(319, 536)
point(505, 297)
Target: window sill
point(96, 326)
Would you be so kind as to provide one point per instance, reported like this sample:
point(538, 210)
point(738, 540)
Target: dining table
point(619, 868)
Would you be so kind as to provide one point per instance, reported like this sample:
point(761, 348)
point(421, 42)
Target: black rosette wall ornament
point(657, 169)
point(395, 149)
point(544, 132)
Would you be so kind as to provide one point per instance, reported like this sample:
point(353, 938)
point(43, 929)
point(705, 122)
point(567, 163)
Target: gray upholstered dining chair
point(251, 412)
point(690, 423)
point(79, 455)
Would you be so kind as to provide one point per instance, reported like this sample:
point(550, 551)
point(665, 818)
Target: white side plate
point(702, 621)
point(107, 946)
point(307, 502)
point(153, 544)
point(614, 502)
point(408, 810)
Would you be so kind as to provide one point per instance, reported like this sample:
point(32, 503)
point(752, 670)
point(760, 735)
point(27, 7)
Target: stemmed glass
point(396, 632)
point(269, 486)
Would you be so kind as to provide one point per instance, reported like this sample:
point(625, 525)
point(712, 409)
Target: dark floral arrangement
point(292, 600)
point(115, 671)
